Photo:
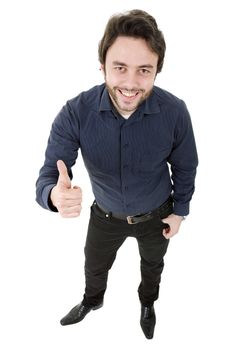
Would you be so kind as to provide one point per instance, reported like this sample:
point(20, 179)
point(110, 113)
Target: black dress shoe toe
point(148, 321)
point(78, 313)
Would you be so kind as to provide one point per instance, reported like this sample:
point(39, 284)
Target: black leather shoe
point(78, 313)
point(148, 321)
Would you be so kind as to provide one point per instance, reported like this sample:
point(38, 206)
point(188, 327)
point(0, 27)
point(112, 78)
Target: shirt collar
point(149, 106)
point(105, 102)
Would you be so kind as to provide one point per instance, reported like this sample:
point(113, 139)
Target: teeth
point(128, 94)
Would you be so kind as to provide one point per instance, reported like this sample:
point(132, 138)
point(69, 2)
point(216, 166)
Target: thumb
point(63, 179)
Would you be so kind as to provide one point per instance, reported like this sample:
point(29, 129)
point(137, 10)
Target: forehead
point(132, 51)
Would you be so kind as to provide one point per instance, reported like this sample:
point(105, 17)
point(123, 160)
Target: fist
point(65, 198)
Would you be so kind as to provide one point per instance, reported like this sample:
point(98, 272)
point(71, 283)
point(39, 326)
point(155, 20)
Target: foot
point(148, 321)
point(78, 313)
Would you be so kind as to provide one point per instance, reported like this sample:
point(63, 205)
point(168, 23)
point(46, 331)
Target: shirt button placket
point(124, 166)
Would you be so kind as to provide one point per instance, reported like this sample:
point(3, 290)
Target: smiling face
point(130, 70)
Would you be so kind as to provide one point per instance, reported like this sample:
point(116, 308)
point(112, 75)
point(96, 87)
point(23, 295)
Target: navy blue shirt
point(127, 159)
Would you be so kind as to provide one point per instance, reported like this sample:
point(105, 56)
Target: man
point(128, 131)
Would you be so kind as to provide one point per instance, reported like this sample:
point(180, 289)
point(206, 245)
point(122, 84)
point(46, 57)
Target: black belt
point(134, 219)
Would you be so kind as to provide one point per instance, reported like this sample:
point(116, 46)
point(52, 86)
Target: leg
point(152, 248)
point(102, 243)
point(104, 238)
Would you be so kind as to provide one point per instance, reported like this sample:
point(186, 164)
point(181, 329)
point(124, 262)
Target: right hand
point(65, 198)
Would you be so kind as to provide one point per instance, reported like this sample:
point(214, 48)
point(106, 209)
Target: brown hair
point(135, 23)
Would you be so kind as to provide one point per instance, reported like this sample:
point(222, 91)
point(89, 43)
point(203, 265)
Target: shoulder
point(166, 98)
point(172, 108)
point(90, 98)
point(79, 106)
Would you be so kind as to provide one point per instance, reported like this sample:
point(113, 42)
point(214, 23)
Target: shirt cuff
point(181, 209)
point(46, 198)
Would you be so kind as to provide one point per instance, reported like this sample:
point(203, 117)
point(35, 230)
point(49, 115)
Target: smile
point(129, 94)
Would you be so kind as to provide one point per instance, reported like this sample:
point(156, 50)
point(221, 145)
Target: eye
point(144, 71)
point(120, 69)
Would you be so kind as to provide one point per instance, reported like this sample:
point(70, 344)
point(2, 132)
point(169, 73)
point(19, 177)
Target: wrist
point(51, 200)
point(180, 217)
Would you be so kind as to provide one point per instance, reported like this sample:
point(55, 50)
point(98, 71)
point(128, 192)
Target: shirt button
point(125, 166)
point(126, 145)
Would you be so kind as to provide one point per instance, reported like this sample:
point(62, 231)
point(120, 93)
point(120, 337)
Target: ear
point(102, 68)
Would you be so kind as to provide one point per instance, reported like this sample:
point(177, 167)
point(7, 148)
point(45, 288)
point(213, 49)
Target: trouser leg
point(102, 243)
point(152, 249)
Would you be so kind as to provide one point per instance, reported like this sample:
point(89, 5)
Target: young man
point(128, 131)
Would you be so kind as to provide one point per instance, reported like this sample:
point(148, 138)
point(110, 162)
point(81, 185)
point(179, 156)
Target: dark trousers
point(105, 236)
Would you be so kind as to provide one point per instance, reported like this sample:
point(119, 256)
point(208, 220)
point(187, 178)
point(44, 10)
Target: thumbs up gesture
point(65, 198)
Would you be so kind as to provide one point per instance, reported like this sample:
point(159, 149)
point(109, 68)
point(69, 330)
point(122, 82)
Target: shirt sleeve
point(63, 143)
point(184, 161)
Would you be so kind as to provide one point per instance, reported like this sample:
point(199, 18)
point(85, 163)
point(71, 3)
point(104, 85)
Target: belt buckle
point(140, 217)
point(130, 220)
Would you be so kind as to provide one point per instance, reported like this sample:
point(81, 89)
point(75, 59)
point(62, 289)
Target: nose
point(130, 81)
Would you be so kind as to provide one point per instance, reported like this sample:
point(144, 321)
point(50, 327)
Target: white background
point(49, 55)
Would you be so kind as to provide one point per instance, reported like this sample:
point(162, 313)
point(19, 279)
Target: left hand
point(174, 221)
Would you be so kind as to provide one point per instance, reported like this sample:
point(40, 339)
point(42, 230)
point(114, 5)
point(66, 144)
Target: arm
point(184, 161)
point(63, 144)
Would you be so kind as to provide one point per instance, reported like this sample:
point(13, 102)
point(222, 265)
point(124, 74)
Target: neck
point(125, 114)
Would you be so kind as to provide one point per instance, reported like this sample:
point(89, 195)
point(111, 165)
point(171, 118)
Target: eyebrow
point(118, 63)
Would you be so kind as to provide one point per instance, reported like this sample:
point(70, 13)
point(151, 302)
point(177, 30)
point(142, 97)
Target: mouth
point(129, 95)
